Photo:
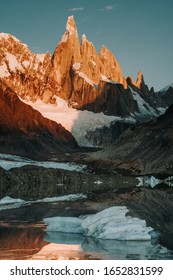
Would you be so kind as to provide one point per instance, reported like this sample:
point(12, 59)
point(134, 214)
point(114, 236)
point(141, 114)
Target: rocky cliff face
point(92, 81)
point(76, 73)
point(24, 131)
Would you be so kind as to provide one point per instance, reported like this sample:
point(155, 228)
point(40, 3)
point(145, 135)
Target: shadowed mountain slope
point(24, 131)
point(144, 149)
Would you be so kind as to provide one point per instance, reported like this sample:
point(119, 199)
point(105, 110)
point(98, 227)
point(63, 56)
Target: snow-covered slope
point(144, 108)
point(20, 69)
point(79, 123)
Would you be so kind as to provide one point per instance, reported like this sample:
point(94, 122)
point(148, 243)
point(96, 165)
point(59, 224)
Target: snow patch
point(10, 203)
point(10, 200)
point(76, 66)
point(40, 57)
point(9, 161)
point(26, 63)
point(105, 79)
point(98, 182)
point(144, 108)
point(82, 75)
point(13, 62)
point(147, 181)
point(7, 36)
point(151, 181)
point(111, 223)
point(69, 197)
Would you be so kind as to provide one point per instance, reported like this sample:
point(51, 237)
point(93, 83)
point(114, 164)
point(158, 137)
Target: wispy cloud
point(109, 8)
point(76, 9)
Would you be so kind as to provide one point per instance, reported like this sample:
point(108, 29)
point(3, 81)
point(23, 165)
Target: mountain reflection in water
point(31, 242)
point(20, 242)
point(111, 249)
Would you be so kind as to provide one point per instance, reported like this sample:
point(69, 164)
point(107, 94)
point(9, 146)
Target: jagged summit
point(77, 73)
point(140, 80)
point(71, 25)
point(84, 38)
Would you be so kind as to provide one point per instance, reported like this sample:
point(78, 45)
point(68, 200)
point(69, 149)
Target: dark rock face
point(144, 149)
point(24, 131)
point(168, 96)
point(149, 201)
point(105, 136)
point(109, 98)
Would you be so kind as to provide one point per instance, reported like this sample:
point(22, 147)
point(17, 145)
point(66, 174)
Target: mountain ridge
point(85, 79)
point(75, 72)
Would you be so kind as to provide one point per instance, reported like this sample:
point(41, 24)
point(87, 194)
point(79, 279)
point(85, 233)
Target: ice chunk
point(111, 223)
point(64, 224)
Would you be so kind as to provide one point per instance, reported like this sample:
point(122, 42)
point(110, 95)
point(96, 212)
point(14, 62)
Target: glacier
point(75, 121)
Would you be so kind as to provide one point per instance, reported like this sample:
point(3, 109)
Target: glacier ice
point(111, 223)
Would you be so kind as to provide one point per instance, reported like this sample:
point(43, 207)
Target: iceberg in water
point(111, 223)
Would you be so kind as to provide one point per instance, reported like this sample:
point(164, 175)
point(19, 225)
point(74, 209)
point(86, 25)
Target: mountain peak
point(140, 80)
point(7, 36)
point(71, 25)
point(84, 38)
point(71, 30)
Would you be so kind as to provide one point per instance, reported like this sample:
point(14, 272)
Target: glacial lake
point(24, 235)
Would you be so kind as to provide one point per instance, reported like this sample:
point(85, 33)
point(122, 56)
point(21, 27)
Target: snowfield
point(79, 123)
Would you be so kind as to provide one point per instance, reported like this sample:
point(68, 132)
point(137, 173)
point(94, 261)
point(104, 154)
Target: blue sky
point(138, 32)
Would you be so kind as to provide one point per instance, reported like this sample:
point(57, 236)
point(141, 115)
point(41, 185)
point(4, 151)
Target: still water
point(28, 239)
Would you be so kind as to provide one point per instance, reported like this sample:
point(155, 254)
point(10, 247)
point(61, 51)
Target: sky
point(138, 32)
